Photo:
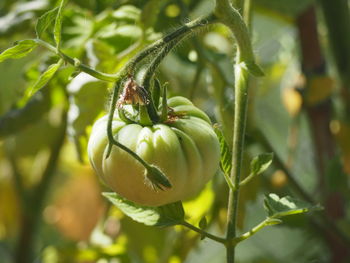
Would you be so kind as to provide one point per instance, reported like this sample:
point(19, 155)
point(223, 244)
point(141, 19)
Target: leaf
point(162, 216)
point(21, 49)
point(277, 207)
point(260, 163)
point(45, 21)
point(58, 24)
point(226, 154)
point(45, 77)
point(127, 13)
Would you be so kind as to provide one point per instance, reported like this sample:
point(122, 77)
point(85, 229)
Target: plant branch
point(76, 63)
point(267, 222)
point(231, 17)
point(204, 233)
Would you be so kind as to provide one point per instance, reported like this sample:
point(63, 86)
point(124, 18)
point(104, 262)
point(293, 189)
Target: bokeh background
point(51, 208)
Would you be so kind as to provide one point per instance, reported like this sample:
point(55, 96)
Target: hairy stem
point(241, 98)
point(245, 61)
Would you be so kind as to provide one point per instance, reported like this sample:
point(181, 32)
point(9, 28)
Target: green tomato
point(185, 149)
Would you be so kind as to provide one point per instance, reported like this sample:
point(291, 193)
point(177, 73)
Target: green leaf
point(167, 215)
point(58, 24)
point(45, 21)
point(260, 163)
point(21, 49)
point(45, 78)
point(226, 154)
point(277, 207)
point(127, 13)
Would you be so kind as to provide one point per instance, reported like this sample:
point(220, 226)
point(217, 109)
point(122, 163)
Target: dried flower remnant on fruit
point(174, 116)
point(133, 94)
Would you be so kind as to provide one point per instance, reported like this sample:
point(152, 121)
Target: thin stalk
point(204, 233)
point(77, 64)
point(257, 228)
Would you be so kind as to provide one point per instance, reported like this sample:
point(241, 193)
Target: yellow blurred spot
point(292, 101)
point(174, 259)
point(193, 56)
point(172, 10)
point(334, 126)
point(279, 179)
point(50, 255)
point(150, 254)
point(196, 209)
point(319, 89)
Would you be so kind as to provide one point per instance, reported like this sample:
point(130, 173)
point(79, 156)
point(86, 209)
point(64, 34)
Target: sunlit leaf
point(45, 21)
point(58, 24)
point(45, 77)
point(21, 49)
point(167, 215)
point(260, 163)
point(277, 207)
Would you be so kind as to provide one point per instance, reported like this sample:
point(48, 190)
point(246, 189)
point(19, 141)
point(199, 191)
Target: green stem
point(77, 64)
point(241, 98)
point(230, 17)
point(204, 233)
point(247, 179)
point(254, 230)
point(245, 61)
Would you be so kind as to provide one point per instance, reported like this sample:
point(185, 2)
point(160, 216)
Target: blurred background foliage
point(51, 208)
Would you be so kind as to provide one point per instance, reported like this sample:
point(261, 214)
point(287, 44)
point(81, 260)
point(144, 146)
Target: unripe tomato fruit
point(185, 148)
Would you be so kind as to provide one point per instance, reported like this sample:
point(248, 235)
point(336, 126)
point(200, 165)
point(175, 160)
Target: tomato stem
point(245, 64)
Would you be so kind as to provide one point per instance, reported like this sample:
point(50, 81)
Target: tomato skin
point(185, 149)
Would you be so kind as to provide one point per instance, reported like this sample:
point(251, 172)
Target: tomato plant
point(163, 159)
